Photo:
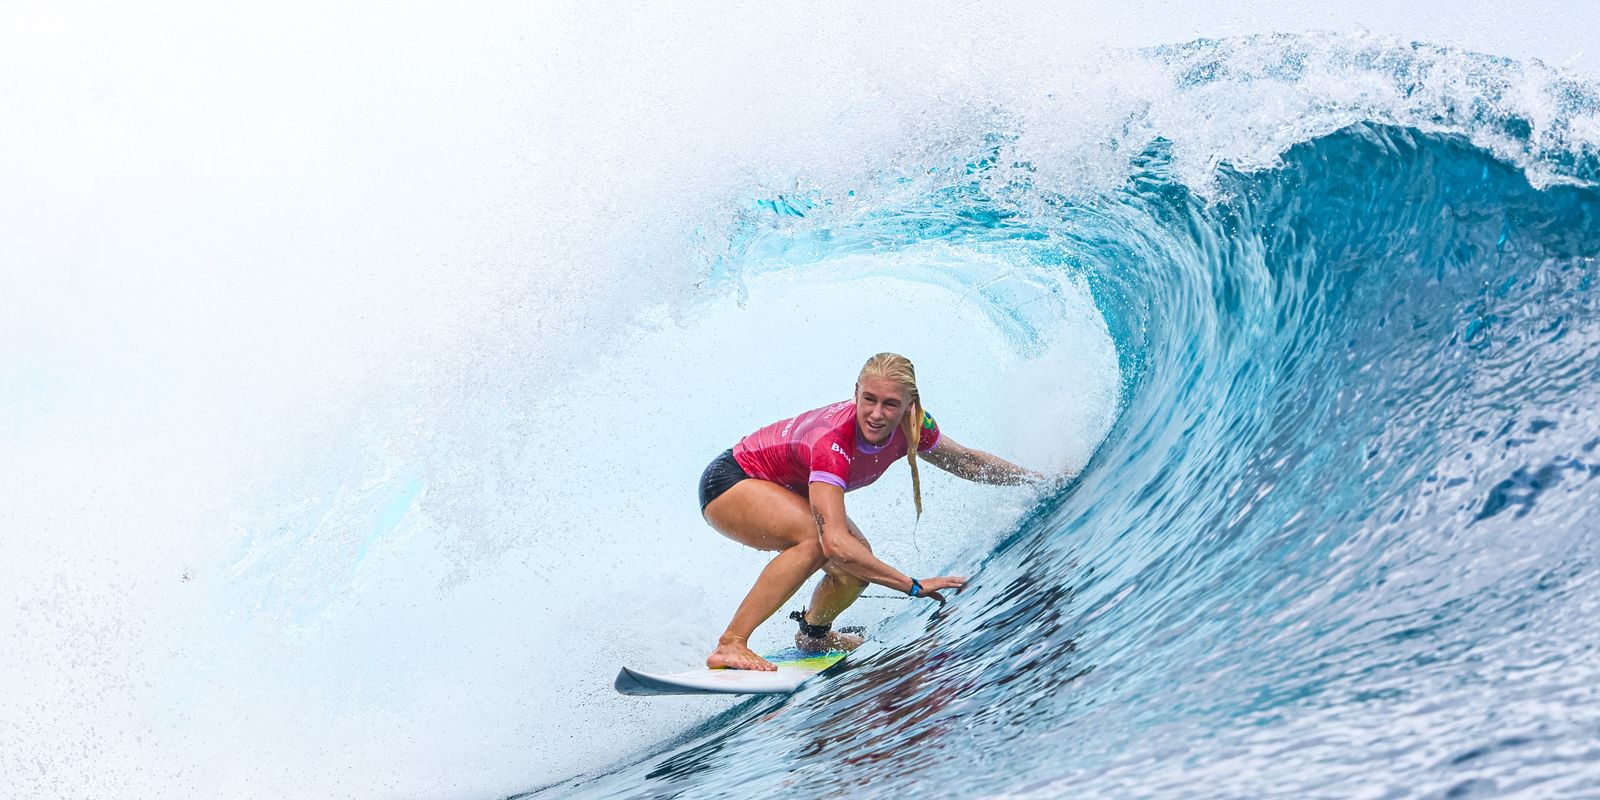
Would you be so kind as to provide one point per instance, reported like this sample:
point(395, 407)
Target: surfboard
point(794, 668)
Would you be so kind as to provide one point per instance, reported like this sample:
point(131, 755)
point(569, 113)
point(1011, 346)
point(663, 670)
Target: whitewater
point(357, 367)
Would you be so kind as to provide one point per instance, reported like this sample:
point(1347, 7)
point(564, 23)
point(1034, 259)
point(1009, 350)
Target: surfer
point(782, 489)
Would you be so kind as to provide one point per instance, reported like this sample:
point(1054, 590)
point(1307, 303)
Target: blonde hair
point(898, 368)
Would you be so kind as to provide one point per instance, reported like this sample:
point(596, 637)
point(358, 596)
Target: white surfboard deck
point(792, 672)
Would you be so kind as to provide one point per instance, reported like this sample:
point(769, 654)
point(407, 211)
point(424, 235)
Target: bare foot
point(735, 655)
point(834, 640)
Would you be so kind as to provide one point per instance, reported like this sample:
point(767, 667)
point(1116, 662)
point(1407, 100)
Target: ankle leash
point(807, 629)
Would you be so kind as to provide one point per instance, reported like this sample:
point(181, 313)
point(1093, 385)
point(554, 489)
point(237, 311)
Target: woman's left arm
point(976, 465)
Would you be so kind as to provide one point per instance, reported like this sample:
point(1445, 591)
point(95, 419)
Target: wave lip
point(1245, 101)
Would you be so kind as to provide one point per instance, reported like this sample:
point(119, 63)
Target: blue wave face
point(1340, 538)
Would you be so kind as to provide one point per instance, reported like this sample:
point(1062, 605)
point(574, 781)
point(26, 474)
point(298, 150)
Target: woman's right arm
point(843, 548)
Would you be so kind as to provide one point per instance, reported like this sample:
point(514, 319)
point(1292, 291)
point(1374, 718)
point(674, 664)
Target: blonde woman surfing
point(782, 488)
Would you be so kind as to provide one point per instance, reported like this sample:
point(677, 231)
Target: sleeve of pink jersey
point(830, 462)
point(930, 434)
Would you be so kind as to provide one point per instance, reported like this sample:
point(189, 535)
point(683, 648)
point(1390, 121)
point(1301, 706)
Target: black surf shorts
point(719, 477)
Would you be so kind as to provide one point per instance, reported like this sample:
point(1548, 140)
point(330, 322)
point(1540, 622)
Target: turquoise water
point(1341, 539)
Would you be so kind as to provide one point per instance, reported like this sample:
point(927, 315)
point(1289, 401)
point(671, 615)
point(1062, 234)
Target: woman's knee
point(812, 549)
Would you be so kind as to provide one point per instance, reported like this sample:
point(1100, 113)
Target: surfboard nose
point(628, 682)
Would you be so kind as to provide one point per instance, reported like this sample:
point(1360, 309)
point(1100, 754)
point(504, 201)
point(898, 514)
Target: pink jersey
point(820, 445)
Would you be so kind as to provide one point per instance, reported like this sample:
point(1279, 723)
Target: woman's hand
point(931, 586)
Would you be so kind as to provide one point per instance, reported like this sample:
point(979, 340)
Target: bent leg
point(766, 516)
point(838, 589)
